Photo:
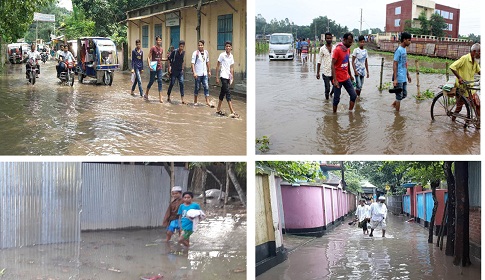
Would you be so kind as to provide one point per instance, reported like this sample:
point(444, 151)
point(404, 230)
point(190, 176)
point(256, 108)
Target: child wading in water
point(186, 222)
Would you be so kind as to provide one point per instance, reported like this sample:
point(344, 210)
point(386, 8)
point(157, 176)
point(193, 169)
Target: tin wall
point(39, 203)
point(118, 196)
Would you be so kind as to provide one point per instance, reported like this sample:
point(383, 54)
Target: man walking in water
point(400, 70)
point(341, 71)
point(325, 58)
point(378, 212)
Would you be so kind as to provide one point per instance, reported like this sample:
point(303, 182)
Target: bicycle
point(444, 104)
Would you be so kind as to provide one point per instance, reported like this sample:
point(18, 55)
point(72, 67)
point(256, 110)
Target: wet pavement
point(87, 119)
point(345, 253)
point(218, 251)
point(292, 111)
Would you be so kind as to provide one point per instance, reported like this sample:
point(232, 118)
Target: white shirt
point(325, 59)
point(378, 211)
point(68, 57)
point(226, 61)
point(33, 54)
point(360, 56)
point(200, 65)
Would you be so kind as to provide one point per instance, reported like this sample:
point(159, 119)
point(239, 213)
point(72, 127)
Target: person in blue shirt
point(137, 67)
point(186, 223)
point(400, 68)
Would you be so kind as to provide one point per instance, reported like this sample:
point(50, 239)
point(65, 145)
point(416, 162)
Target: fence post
point(447, 74)
point(382, 70)
point(417, 77)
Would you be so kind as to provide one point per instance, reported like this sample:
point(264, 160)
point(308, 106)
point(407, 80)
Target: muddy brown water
point(218, 251)
point(345, 253)
point(292, 111)
point(88, 119)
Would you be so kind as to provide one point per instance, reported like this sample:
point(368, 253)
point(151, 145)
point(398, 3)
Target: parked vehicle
point(14, 53)
point(281, 46)
point(32, 71)
point(96, 58)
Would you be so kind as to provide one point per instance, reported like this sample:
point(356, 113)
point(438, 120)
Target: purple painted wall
point(328, 206)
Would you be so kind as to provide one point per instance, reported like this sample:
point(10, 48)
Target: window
point(445, 14)
point(397, 22)
point(450, 27)
point(438, 12)
point(144, 36)
point(224, 30)
point(451, 15)
point(157, 31)
point(397, 11)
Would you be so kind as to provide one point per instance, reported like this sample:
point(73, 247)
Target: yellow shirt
point(466, 69)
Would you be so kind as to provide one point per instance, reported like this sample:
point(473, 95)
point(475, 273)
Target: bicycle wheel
point(443, 109)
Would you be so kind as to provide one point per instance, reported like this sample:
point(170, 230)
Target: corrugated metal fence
point(39, 203)
point(120, 196)
point(452, 50)
point(394, 204)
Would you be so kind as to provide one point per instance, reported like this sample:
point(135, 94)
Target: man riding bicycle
point(465, 69)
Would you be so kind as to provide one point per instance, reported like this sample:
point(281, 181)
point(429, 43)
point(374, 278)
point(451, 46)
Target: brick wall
point(475, 224)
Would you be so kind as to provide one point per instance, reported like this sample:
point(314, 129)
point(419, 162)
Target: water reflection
point(88, 119)
point(292, 111)
point(345, 253)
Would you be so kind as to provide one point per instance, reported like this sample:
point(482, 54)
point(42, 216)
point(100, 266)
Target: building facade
point(176, 20)
point(398, 13)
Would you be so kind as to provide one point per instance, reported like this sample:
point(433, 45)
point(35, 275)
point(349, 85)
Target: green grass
point(263, 144)
point(427, 70)
point(262, 48)
point(427, 94)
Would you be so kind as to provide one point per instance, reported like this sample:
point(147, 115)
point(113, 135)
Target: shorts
point(186, 234)
point(400, 96)
point(375, 224)
point(173, 226)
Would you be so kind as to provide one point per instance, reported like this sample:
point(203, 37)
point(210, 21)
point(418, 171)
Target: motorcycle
point(32, 71)
point(67, 76)
point(44, 56)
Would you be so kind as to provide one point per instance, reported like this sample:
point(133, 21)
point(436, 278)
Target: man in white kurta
point(363, 214)
point(378, 212)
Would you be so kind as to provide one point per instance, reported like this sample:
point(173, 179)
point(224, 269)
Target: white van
point(281, 46)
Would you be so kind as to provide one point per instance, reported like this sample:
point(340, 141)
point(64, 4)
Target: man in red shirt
point(341, 71)
point(156, 55)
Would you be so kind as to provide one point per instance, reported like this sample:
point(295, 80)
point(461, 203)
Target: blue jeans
point(204, 80)
point(159, 74)
point(347, 84)
point(137, 81)
point(359, 80)
point(400, 96)
point(177, 76)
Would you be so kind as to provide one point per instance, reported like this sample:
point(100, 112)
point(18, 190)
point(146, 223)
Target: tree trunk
point(204, 187)
point(434, 185)
point(462, 241)
point(2, 55)
point(199, 7)
point(228, 182)
point(234, 181)
point(125, 57)
point(217, 180)
point(450, 223)
point(170, 170)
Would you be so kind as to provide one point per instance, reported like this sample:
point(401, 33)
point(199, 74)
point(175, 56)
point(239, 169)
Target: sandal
point(220, 113)
point(145, 97)
point(234, 115)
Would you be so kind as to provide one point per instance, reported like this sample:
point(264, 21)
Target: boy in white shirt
point(201, 70)
point(225, 62)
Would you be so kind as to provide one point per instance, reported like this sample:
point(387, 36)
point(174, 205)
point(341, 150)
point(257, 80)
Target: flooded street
point(88, 119)
point(218, 251)
point(345, 253)
point(292, 111)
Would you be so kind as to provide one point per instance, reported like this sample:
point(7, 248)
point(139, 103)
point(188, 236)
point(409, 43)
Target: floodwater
point(292, 111)
point(218, 251)
point(345, 253)
point(53, 119)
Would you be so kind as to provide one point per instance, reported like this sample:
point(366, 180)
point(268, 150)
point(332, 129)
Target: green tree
point(78, 25)
point(424, 23)
point(291, 171)
point(45, 29)
point(438, 25)
point(261, 24)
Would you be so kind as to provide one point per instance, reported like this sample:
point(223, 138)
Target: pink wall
point(307, 207)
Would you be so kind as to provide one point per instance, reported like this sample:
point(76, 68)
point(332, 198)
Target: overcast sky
point(347, 13)
point(66, 4)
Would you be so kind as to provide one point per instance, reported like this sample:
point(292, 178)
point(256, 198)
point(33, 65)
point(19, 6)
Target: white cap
point(177, 189)
point(382, 198)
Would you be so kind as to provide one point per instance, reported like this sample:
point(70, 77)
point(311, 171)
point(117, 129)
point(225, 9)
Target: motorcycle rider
point(35, 55)
point(66, 57)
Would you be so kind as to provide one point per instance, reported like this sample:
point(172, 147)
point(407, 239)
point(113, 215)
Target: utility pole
point(360, 30)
